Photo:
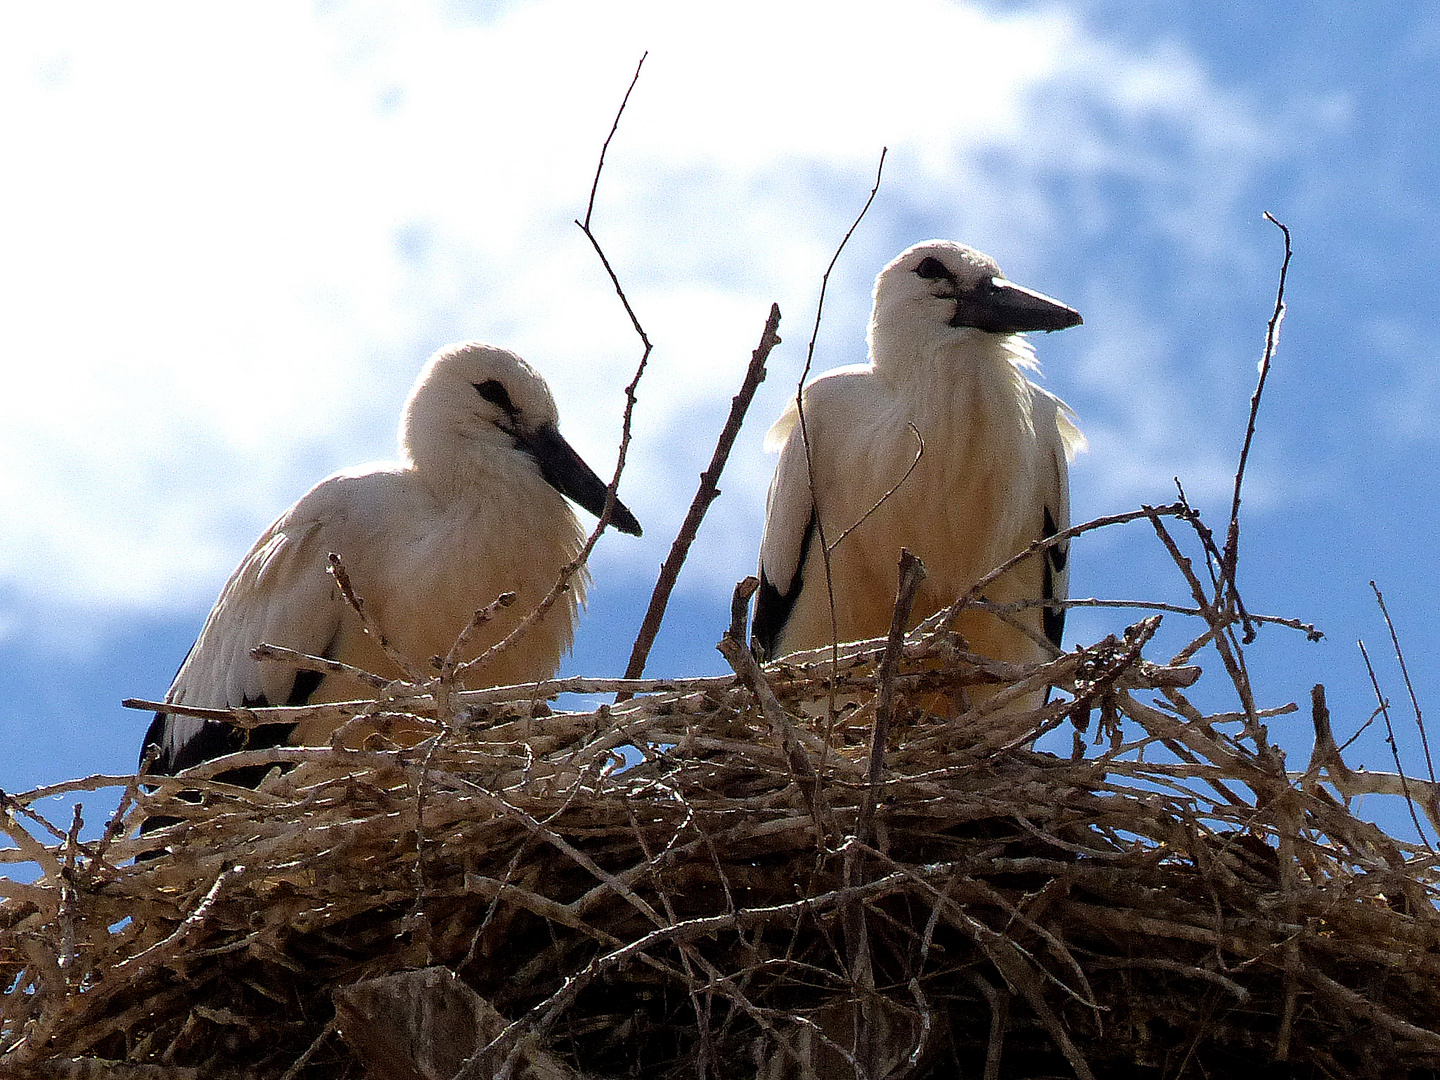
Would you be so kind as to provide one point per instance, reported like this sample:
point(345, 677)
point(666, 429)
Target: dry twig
point(708, 491)
point(825, 548)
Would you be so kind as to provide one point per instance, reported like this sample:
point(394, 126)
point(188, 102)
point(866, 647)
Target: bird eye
point(493, 391)
point(932, 268)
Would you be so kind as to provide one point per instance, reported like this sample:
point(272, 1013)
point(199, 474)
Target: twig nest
point(658, 888)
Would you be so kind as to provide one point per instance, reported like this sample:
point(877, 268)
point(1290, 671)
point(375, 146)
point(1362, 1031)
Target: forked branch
point(571, 569)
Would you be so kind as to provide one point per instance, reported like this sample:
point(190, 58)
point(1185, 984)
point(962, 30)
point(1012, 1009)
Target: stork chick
point(947, 366)
point(475, 507)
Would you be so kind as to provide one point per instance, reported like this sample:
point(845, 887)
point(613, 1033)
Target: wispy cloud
point(235, 234)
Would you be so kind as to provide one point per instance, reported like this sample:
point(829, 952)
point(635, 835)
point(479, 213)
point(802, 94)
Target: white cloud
point(243, 230)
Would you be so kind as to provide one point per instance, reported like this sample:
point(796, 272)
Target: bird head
point(938, 289)
point(480, 411)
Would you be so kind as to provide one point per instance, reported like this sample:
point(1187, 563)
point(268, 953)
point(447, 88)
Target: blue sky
point(232, 236)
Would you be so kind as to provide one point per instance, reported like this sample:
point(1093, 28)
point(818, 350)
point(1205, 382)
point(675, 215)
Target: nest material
point(1166, 901)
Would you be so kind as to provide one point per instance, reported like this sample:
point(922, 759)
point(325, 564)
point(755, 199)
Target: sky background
point(231, 236)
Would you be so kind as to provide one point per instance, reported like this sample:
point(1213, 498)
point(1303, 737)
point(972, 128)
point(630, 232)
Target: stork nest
point(717, 878)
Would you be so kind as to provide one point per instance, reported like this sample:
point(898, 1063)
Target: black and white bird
point(475, 507)
point(948, 366)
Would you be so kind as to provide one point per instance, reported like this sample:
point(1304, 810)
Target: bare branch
point(911, 574)
point(1409, 687)
point(1384, 707)
point(1272, 338)
point(708, 491)
point(1218, 620)
point(738, 655)
point(800, 398)
point(402, 662)
point(919, 453)
point(614, 127)
point(939, 623)
point(569, 571)
point(323, 665)
point(479, 619)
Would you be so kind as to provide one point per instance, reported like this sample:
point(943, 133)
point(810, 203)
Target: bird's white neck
point(975, 374)
point(456, 469)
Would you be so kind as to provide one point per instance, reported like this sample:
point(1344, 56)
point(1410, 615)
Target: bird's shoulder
point(840, 400)
point(350, 510)
point(354, 493)
point(1050, 412)
point(828, 399)
point(282, 591)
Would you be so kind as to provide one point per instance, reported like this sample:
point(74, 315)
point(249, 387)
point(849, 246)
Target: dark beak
point(565, 471)
point(1002, 307)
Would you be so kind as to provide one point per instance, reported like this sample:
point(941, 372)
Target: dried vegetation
point(743, 899)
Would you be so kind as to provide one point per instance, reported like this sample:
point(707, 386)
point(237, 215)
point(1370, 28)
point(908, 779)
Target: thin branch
point(800, 401)
point(1394, 747)
point(1272, 338)
point(853, 922)
point(614, 127)
point(939, 623)
point(629, 311)
point(919, 453)
point(1214, 562)
point(739, 657)
point(569, 571)
point(479, 619)
point(301, 661)
point(116, 824)
point(911, 574)
point(708, 491)
point(1409, 687)
point(1308, 629)
point(299, 1063)
point(447, 667)
point(561, 586)
point(403, 663)
point(1218, 619)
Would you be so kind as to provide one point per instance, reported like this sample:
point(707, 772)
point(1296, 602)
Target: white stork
point(475, 507)
point(948, 366)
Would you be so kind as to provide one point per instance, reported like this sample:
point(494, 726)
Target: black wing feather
point(217, 739)
point(1053, 618)
point(773, 606)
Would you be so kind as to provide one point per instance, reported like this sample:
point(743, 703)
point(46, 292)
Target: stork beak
point(1002, 307)
point(565, 471)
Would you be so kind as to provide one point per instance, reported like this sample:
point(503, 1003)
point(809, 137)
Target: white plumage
point(475, 507)
point(947, 358)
